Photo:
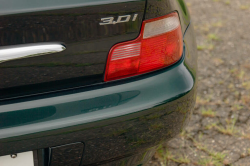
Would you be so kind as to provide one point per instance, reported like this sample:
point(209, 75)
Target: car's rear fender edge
point(140, 112)
point(156, 8)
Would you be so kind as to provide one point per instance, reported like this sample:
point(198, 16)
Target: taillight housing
point(160, 44)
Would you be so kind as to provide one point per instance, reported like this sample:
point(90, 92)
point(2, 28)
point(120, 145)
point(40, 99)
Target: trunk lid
point(83, 27)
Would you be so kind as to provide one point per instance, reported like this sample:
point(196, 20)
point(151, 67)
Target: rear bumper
point(114, 119)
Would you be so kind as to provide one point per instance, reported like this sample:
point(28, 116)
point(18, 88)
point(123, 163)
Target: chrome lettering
point(120, 19)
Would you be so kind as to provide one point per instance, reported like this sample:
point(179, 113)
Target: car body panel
point(119, 122)
point(101, 103)
point(160, 8)
point(78, 29)
point(156, 106)
point(7, 7)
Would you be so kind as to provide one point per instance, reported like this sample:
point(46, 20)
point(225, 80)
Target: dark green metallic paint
point(80, 108)
point(119, 122)
point(158, 8)
point(155, 108)
point(87, 43)
point(17, 6)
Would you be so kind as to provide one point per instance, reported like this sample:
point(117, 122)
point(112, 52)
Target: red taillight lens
point(159, 45)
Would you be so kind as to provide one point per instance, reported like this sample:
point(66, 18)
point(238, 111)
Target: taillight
point(159, 45)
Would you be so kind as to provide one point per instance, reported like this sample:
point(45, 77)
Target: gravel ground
point(219, 132)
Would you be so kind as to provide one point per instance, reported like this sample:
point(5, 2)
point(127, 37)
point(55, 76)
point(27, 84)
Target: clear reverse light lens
point(159, 45)
point(159, 27)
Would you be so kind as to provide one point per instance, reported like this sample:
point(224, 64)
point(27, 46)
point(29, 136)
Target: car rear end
point(93, 82)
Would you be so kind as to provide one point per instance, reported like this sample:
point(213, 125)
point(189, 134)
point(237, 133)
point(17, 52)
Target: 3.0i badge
point(120, 19)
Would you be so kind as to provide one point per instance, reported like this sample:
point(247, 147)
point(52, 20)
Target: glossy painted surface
point(87, 43)
point(21, 6)
point(76, 24)
point(119, 122)
point(98, 104)
point(158, 8)
point(114, 120)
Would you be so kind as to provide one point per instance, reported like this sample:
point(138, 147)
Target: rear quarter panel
point(138, 113)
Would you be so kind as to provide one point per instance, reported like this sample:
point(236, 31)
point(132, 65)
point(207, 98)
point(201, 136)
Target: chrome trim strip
point(29, 50)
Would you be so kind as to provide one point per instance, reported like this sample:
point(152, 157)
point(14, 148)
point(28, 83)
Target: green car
point(93, 82)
